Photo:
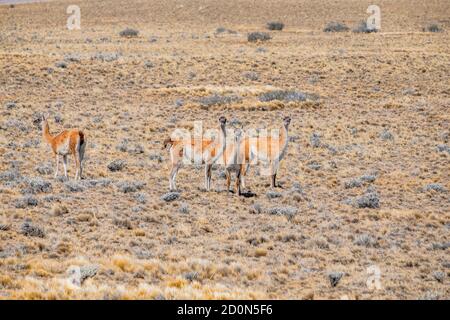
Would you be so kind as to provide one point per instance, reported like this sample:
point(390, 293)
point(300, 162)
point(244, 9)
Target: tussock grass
point(275, 25)
point(129, 33)
point(433, 27)
point(362, 27)
point(258, 36)
point(336, 27)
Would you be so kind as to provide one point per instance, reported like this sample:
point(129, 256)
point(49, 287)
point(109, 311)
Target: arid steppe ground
point(372, 131)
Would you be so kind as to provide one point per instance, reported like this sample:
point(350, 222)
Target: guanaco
point(68, 142)
point(268, 150)
point(233, 161)
point(209, 151)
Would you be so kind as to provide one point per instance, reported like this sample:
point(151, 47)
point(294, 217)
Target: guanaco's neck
point(46, 132)
point(237, 144)
point(284, 139)
point(284, 135)
point(221, 143)
point(222, 137)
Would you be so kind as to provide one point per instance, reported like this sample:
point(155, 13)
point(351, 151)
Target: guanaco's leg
point(208, 169)
point(238, 181)
point(81, 169)
point(65, 165)
point(57, 164)
point(173, 176)
point(81, 157)
point(272, 181)
point(175, 162)
point(244, 174)
point(228, 175)
point(206, 176)
point(77, 165)
point(275, 167)
point(209, 177)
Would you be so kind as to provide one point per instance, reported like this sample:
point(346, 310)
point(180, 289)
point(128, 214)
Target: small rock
point(170, 196)
point(334, 278)
point(61, 65)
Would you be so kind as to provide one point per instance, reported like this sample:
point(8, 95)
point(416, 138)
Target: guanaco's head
point(286, 122)
point(237, 135)
point(222, 121)
point(44, 122)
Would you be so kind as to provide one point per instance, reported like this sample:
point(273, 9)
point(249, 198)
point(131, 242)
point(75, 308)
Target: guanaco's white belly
point(63, 148)
point(192, 156)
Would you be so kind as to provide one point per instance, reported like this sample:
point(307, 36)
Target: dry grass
point(125, 91)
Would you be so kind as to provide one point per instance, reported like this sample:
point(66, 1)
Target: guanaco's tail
point(81, 144)
point(82, 139)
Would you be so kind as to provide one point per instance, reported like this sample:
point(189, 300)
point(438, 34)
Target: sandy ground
point(373, 131)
